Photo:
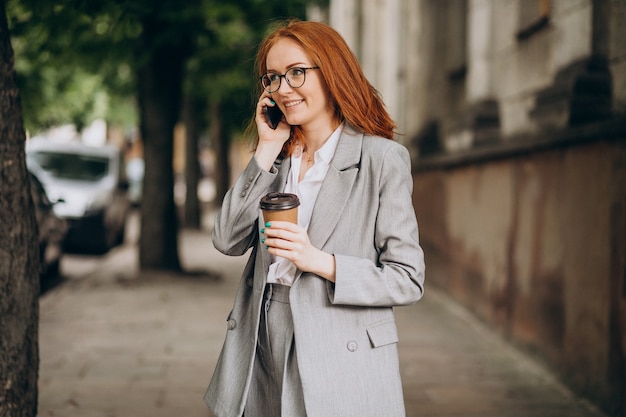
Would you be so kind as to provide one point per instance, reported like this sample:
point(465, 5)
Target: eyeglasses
point(295, 77)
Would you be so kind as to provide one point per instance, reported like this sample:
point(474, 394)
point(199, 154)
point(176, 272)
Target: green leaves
point(71, 62)
point(77, 60)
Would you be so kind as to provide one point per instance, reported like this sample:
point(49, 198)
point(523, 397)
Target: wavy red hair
point(356, 101)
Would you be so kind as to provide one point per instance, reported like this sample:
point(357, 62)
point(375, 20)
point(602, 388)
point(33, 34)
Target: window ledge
point(532, 28)
point(613, 129)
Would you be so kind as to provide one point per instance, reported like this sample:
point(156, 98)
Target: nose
point(284, 84)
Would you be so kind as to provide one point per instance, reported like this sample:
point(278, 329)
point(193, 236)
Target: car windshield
point(72, 166)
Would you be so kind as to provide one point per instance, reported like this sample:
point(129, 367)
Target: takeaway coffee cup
point(280, 206)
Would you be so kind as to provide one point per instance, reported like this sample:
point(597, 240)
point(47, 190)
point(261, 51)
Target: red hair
point(356, 101)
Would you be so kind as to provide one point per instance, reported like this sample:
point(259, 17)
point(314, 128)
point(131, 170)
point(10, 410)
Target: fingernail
point(268, 224)
point(272, 101)
point(263, 230)
point(262, 240)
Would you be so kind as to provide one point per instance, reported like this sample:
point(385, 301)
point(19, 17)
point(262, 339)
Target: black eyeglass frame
point(281, 76)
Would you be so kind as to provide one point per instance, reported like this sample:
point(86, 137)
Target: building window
point(534, 16)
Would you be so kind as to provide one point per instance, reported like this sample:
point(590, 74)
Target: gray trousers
point(275, 389)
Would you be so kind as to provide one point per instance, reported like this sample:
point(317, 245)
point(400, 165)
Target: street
point(118, 343)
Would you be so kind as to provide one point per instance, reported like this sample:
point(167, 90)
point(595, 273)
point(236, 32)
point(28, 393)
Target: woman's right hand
point(271, 141)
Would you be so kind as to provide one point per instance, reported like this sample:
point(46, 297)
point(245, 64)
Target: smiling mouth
point(293, 103)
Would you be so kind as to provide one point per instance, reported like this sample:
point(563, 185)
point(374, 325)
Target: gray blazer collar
point(336, 187)
point(348, 152)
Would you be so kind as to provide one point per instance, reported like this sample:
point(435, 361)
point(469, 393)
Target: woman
point(312, 331)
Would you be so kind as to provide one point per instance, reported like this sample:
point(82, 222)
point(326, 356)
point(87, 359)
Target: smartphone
point(273, 115)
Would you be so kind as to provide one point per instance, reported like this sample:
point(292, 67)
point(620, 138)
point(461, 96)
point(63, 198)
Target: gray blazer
point(345, 333)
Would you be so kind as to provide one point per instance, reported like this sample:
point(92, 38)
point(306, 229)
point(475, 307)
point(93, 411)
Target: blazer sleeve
point(396, 277)
point(235, 229)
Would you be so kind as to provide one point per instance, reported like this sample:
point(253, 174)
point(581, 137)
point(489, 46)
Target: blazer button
point(250, 282)
point(232, 323)
point(352, 346)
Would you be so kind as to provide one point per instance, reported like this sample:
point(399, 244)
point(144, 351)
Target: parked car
point(52, 230)
point(90, 188)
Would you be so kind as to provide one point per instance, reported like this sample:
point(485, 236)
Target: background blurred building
point(514, 111)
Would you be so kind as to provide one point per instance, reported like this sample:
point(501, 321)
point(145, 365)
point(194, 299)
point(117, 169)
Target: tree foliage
point(130, 62)
point(73, 62)
point(76, 58)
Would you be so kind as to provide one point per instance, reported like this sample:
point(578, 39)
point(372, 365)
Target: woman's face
point(309, 105)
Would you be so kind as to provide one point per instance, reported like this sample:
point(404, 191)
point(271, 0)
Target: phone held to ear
point(273, 115)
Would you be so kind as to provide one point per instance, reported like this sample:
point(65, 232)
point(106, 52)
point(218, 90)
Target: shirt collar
point(327, 151)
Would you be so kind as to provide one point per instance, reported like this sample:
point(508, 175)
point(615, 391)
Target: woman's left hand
point(290, 241)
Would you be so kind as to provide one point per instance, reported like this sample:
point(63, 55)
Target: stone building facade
point(515, 113)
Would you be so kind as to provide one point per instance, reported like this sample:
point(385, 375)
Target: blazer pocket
point(383, 334)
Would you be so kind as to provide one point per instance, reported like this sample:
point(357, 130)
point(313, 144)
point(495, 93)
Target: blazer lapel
point(336, 187)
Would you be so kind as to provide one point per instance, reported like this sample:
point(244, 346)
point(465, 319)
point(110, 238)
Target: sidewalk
point(115, 344)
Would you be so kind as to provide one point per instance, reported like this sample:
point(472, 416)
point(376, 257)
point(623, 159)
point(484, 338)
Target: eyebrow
point(297, 64)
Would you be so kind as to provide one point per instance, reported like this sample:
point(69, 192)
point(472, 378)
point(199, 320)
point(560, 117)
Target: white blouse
point(281, 270)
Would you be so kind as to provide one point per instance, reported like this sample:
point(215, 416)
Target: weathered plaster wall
point(529, 245)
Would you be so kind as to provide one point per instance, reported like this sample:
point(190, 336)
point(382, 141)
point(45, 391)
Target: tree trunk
point(159, 91)
point(221, 144)
point(192, 165)
point(19, 258)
